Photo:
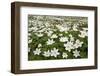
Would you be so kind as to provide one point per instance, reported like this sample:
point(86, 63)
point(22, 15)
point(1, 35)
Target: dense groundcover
point(57, 37)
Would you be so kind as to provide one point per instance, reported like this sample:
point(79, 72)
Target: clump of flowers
point(57, 37)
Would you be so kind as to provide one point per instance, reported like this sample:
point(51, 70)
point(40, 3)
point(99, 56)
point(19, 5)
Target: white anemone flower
point(37, 51)
point(54, 36)
point(29, 34)
point(47, 24)
point(83, 34)
point(29, 41)
point(39, 45)
point(63, 39)
point(30, 21)
point(78, 43)
point(50, 42)
point(49, 33)
point(76, 53)
point(42, 30)
point(34, 29)
point(71, 37)
point(75, 27)
point(30, 29)
point(64, 55)
point(85, 29)
point(39, 23)
point(62, 28)
point(68, 46)
point(54, 52)
point(60, 34)
point(39, 34)
point(46, 53)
